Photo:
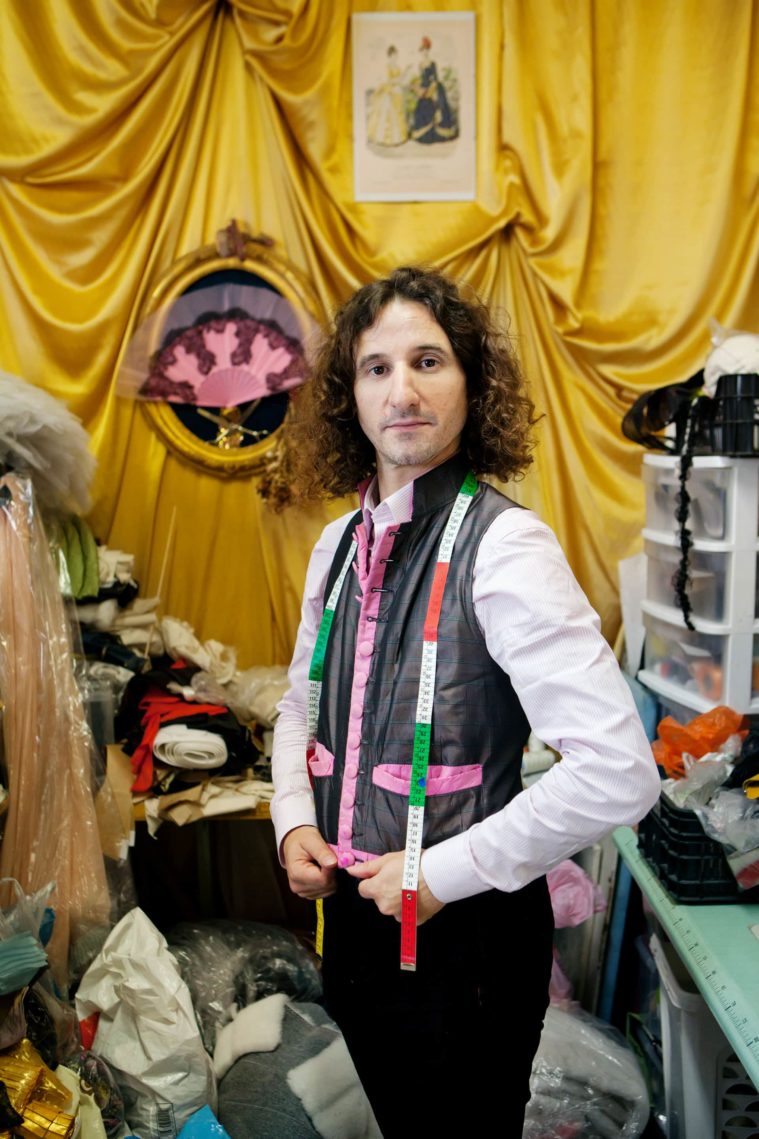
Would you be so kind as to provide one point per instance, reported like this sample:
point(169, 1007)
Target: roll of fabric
point(180, 746)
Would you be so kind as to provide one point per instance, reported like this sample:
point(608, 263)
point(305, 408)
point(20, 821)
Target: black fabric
point(122, 592)
point(657, 409)
point(98, 645)
point(747, 766)
point(448, 1049)
point(129, 729)
point(162, 672)
point(9, 1117)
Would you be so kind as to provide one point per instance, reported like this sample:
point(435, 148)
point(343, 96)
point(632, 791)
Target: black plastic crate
point(689, 864)
point(733, 415)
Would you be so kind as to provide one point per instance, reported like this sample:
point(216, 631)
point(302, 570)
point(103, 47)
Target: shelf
point(719, 949)
point(674, 616)
point(671, 538)
point(262, 811)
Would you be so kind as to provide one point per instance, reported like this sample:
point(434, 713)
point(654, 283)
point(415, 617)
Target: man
point(414, 388)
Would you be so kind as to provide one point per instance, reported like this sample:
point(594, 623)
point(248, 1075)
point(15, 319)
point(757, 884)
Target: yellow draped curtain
point(616, 212)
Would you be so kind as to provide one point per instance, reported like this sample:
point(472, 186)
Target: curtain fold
point(617, 211)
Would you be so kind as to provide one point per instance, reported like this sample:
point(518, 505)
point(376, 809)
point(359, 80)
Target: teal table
point(717, 945)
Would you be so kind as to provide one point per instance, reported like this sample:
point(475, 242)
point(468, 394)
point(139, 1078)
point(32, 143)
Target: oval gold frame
point(234, 249)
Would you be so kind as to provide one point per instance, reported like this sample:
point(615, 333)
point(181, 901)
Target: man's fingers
point(313, 845)
point(312, 894)
point(365, 869)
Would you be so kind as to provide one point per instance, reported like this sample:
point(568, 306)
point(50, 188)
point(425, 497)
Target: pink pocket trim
point(322, 762)
point(441, 780)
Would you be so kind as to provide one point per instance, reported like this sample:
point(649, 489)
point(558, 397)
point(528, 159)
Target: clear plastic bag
point(733, 820)
point(95, 1073)
point(703, 778)
point(585, 1082)
point(251, 695)
point(228, 965)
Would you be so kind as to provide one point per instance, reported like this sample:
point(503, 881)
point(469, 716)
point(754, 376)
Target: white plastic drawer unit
point(709, 664)
point(724, 503)
point(717, 662)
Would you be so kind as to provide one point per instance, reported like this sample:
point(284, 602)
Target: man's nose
point(403, 391)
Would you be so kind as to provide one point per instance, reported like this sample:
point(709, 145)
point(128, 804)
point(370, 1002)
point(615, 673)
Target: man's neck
point(391, 478)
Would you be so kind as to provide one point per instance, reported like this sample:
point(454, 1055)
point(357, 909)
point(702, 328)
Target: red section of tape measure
point(432, 618)
point(408, 929)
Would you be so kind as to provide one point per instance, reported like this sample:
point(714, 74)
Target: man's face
point(410, 393)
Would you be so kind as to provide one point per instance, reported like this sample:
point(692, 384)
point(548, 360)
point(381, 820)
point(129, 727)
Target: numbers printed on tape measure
point(423, 729)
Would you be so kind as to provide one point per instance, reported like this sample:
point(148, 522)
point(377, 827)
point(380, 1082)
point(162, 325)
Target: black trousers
point(446, 1050)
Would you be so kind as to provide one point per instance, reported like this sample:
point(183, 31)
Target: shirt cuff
point(298, 812)
point(449, 870)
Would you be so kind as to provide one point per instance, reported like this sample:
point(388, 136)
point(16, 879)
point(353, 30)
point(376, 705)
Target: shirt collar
point(427, 491)
point(396, 508)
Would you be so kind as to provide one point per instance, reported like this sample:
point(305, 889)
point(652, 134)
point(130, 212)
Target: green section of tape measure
point(469, 485)
point(419, 764)
point(320, 648)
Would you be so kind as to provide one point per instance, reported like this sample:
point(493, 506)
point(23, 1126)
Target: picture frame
point(235, 440)
point(414, 113)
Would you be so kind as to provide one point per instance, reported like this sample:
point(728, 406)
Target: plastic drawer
point(691, 659)
point(711, 500)
point(709, 575)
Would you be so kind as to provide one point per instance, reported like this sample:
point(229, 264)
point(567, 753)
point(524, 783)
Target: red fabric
point(160, 707)
point(87, 1029)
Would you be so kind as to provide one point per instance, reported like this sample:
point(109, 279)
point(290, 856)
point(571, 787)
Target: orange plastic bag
point(698, 737)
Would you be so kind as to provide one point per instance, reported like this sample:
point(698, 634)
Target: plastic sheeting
point(586, 1083)
point(52, 828)
point(229, 964)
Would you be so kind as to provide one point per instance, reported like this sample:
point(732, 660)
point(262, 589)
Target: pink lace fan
point(219, 346)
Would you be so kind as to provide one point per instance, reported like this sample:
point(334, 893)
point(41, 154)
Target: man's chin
point(411, 456)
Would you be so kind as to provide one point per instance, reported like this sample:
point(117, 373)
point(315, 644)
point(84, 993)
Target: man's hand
point(310, 863)
point(382, 879)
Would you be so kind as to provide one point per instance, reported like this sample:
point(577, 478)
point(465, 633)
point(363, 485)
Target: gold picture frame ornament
point(234, 248)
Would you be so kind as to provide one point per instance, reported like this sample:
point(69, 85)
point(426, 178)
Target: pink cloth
point(574, 896)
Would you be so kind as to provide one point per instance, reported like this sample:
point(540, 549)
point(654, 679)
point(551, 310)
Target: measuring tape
point(315, 674)
point(423, 727)
point(423, 723)
point(316, 671)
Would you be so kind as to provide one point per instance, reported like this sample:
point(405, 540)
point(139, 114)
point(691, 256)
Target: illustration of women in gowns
point(387, 119)
point(433, 119)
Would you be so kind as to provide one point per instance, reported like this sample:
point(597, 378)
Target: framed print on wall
point(413, 106)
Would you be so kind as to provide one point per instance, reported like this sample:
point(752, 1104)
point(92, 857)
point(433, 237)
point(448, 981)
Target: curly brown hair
point(327, 454)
